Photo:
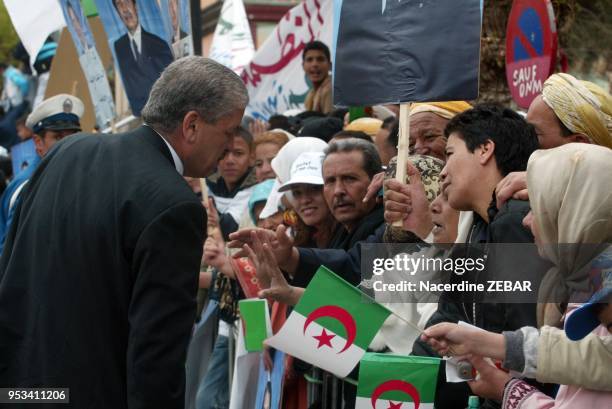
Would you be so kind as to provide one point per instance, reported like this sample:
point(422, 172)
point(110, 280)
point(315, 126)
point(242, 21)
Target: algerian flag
point(331, 326)
point(256, 325)
point(389, 381)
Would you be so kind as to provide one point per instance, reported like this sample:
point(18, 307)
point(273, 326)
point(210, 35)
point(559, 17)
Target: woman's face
point(264, 153)
point(445, 220)
point(272, 222)
point(309, 204)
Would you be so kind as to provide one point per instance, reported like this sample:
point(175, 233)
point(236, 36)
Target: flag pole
point(204, 191)
point(414, 326)
point(403, 144)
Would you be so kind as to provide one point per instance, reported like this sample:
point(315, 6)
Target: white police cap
point(59, 112)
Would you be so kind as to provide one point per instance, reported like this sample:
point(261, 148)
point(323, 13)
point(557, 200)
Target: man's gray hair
point(193, 84)
point(371, 159)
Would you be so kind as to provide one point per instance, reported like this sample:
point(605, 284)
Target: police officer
point(52, 120)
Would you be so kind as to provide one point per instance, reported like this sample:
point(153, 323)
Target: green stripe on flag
point(253, 315)
point(376, 369)
point(326, 288)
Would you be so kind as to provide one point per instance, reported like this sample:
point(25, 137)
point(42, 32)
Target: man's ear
point(578, 137)
point(38, 144)
point(485, 152)
point(190, 126)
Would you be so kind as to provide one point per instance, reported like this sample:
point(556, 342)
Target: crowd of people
point(284, 197)
point(481, 174)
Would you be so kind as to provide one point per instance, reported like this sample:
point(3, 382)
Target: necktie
point(135, 48)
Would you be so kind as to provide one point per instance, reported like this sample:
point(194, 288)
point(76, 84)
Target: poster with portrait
point(90, 61)
point(177, 18)
point(139, 41)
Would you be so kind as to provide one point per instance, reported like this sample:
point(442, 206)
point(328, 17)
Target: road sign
point(531, 48)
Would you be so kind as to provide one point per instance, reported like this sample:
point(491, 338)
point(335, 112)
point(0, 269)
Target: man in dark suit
point(141, 56)
point(99, 274)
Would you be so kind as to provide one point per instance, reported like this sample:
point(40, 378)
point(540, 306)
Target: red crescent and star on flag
point(396, 385)
point(342, 316)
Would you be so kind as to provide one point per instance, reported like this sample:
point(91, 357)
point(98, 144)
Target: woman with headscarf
point(571, 220)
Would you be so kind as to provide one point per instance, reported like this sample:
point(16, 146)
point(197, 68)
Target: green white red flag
point(388, 381)
point(332, 325)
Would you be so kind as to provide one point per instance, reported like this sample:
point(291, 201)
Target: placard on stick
point(398, 52)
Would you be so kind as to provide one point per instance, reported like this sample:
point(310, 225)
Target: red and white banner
point(275, 78)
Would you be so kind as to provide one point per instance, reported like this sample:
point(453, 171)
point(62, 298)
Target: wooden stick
point(403, 144)
point(204, 190)
point(73, 89)
point(209, 230)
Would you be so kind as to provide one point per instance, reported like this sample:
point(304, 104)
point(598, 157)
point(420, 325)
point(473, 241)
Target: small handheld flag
point(256, 325)
point(397, 382)
point(332, 326)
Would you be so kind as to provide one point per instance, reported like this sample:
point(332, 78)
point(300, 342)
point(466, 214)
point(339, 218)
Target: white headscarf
point(571, 200)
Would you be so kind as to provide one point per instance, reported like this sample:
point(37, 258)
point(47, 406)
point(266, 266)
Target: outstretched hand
point(279, 242)
point(269, 274)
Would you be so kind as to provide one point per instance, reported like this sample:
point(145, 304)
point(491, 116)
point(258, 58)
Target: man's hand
point(280, 243)
point(214, 255)
point(514, 186)
point(274, 283)
point(374, 187)
point(452, 339)
point(408, 203)
point(257, 127)
point(490, 382)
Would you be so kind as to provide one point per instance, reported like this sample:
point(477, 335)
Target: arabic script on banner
point(275, 78)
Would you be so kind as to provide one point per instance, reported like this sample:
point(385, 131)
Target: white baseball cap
point(307, 169)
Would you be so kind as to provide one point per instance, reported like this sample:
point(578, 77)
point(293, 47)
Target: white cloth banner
point(232, 43)
point(34, 21)
point(275, 78)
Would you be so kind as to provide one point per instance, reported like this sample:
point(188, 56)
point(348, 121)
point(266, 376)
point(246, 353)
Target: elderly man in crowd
point(348, 168)
point(100, 273)
point(569, 110)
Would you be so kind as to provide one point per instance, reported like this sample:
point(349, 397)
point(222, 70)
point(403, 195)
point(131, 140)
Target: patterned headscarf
point(582, 106)
point(429, 168)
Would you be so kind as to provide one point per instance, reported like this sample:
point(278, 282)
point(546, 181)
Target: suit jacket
point(99, 275)
point(139, 75)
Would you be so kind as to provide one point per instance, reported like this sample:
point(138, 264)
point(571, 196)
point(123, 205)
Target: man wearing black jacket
point(348, 168)
point(99, 275)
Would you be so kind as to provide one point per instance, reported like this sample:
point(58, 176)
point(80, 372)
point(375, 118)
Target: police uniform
point(57, 113)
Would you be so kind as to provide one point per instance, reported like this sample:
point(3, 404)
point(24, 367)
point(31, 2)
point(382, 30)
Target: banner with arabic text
point(275, 78)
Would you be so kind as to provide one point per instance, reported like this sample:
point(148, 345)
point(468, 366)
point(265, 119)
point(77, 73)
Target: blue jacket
point(6, 211)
